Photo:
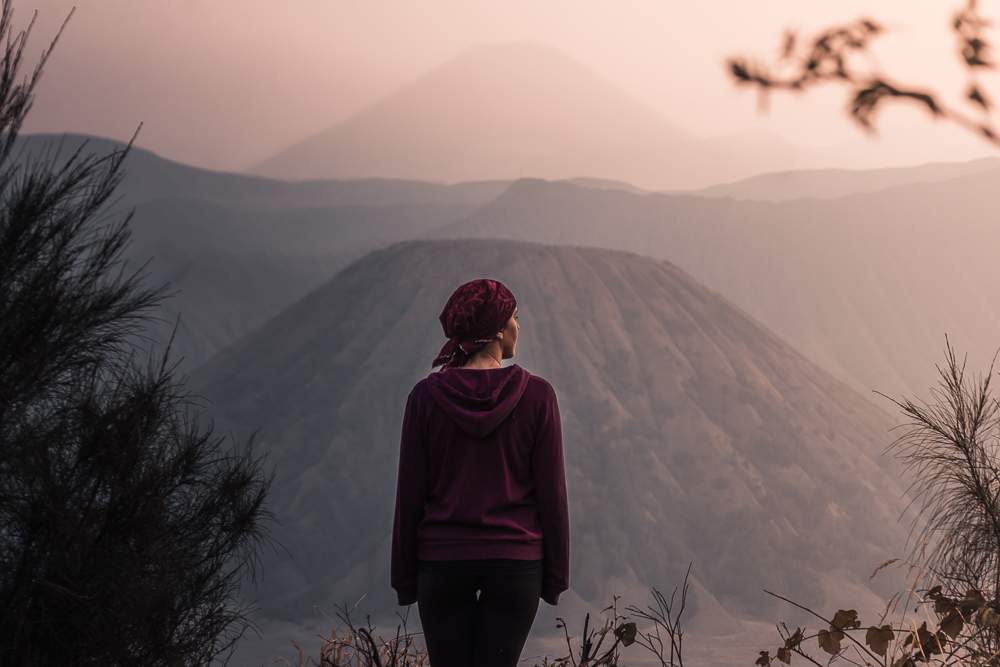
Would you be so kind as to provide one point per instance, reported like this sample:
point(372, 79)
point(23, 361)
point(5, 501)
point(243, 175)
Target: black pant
point(463, 630)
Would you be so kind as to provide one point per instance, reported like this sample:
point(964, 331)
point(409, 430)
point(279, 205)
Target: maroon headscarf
point(473, 316)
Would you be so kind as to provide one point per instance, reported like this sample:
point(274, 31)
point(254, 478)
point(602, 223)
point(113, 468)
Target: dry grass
point(350, 645)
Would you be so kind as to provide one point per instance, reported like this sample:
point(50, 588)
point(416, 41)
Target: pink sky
point(226, 83)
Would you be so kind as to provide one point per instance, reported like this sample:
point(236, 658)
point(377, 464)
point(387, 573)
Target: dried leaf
point(626, 633)
point(795, 639)
point(844, 620)
point(828, 642)
point(764, 660)
point(988, 618)
point(953, 623)
point(944, 606)
point(785, 655)
point(971, 603)
point(977, 96)
point(878, 639)
point(739, 69)
point(871, 26)
point(929, 642)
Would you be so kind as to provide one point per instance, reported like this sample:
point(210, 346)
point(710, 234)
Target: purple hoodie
point(481, 476)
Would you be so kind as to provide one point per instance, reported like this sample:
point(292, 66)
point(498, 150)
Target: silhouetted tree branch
point(832, 57)
point(126, 528)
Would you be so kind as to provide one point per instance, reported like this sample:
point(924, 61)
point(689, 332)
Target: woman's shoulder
point(420, 390)
point(539, 389)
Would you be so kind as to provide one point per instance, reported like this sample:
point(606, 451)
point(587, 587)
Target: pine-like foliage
point(952, 449)
point(126, 528)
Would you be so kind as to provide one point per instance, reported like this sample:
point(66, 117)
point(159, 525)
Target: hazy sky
point(226, 83)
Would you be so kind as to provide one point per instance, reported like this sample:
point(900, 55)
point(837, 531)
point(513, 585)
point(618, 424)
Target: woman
point(481, 528)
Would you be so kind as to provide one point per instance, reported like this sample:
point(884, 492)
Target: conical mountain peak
point(495, 111)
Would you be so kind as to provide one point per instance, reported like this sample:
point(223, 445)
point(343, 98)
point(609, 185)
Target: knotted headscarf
point(473, 316)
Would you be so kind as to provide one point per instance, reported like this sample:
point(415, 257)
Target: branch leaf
point(930, 643)
point(878, 639)
point(971, 603)
point(844, 619)
point(626, 633)
point(953, 623)
point(988, 618)
point(828, 642)
point(794, 639)
point(977, 96)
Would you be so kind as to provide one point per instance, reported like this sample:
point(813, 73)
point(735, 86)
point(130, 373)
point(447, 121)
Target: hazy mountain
point(869, 300)
point(217, 296)
point(237, 249)
point(151, 177)
point(602, 184)
point(233, 267)
point(866, 286)
point(692, 433)
point(507, 111)
point(835, 183)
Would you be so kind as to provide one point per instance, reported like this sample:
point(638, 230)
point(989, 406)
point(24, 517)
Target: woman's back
point(482, 450)
point(482, 527)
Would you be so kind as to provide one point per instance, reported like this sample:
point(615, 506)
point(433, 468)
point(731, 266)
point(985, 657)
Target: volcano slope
point(866, 286)
point(692, 434)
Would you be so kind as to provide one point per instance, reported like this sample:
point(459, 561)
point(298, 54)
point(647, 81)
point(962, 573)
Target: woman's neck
point(486, 358)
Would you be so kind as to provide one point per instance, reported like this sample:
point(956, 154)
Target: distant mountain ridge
point(150, 177)
point(836, 183)
point(867, 286)
point(508, 111)
point(239, 249)
point(692, 433)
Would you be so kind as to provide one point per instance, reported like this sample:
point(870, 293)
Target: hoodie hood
point(478, 400)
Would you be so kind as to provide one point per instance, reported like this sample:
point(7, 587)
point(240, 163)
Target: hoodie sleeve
point(411, 491)
point(553, 510)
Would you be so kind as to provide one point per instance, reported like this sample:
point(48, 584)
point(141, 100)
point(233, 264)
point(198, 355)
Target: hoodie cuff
point(550, 595)
point(406, 596)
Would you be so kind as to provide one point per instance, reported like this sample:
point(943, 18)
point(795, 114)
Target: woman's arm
point(411, 490)
point(553, 510)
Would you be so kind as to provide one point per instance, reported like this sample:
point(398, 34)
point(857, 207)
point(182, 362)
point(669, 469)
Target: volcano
point(513, 110)
point(692, 433)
